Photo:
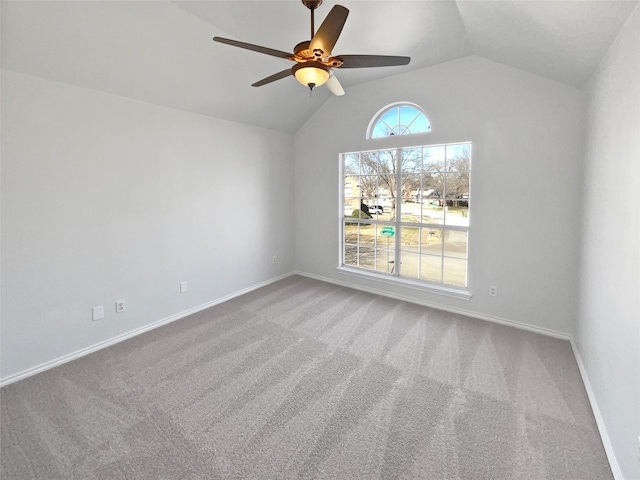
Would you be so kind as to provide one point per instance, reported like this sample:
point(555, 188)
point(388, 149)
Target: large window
point(406, 212)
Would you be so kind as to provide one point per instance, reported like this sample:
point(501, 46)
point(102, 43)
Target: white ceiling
point(162, 52)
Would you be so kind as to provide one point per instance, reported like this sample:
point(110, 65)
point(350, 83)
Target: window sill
point(458, 293)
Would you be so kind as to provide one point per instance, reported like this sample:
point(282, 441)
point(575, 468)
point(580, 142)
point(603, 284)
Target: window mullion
point(411, 122)
point(398, 227)
point(445, 212)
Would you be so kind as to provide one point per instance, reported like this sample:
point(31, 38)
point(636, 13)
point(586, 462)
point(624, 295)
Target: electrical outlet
point(184, 286)
point(97, 313)
point(120, 306)
point(274, 259)
point(493, 291)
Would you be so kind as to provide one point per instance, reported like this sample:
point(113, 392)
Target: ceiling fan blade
point(327, 35)
point(362, 61)
point(255, 48)
point(273, 78)
point(334, 86)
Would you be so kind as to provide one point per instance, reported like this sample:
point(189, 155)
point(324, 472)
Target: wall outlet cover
point(97, 313)
point(120, 306)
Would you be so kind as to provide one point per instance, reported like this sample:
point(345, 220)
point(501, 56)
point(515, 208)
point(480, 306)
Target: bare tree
point(448, 180)
point(382, 175)
point(457, 176)
point(377, 173)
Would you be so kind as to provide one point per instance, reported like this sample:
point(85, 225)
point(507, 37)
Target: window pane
point(348, 190)
point(369, 163)
point(455, 243)
point(382, 193)
point(366, 235)
point(432, 185)
point(432, 213)
point(387, 161)
point(378, 209)
point(367, 257)
point(455, 272)
point(459, 157)
point(411, 160)
point(408, 114)
point(420, 124)
point(434, 158)
point(410, 238)
point(352, 186)
point(409, 264)
point(386, 236)
point(457, 186)
point(431, 268)
point(431, 241)
point(457, 197)
point(351, 255)
point(431, 197)
point(410, 211)
point(387, 179)
point(411, 168)
point(351, 206)
point(384, 260)
point(368, 187)
point(351, 194)
point(457, 216)
point(390, 117)
point(351, 164)
point(350, 233)
point(380, 130)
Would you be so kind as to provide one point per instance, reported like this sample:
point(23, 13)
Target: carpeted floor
point(304, 379)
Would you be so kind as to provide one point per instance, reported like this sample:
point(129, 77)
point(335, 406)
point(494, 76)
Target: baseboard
point(461, 311)
point(112, 341)
point(604, 436)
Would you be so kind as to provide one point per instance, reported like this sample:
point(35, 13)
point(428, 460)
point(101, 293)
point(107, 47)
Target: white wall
point(525, 185)
point(105, 198)
point(607, 333)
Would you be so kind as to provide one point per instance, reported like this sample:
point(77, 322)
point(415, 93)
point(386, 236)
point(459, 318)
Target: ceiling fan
point(313, 59)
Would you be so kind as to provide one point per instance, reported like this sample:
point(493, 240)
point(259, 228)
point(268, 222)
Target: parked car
point(376, 209)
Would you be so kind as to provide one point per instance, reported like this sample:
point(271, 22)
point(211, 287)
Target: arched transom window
point(398, 119)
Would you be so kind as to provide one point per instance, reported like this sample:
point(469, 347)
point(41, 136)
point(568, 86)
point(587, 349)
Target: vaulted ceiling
point(162, 52)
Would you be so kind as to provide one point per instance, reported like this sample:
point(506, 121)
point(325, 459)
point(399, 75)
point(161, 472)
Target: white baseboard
point(461, 311)
point(112, 341)
point(604, 436)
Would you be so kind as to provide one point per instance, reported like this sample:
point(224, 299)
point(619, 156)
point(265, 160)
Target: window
point(418, 202)
point(399, 119)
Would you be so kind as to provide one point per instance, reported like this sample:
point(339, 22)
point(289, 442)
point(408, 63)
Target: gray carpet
point(304, 379)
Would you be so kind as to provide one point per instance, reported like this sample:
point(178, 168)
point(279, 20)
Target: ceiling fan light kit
point(314, 62)
point(310, 74)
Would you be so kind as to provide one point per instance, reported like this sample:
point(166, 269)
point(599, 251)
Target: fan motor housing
point(302, 49)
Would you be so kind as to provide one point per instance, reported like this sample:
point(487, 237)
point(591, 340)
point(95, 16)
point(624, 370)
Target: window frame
point(395, 276)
